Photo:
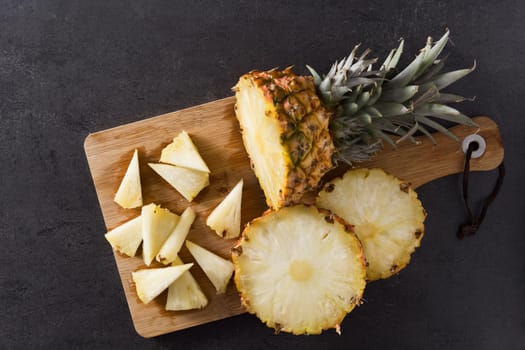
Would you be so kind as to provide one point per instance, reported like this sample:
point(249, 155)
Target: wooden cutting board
point(215, 132)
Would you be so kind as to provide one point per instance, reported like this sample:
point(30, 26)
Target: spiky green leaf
point(399, 95)
point(315, 75)
point(406, 75)
point(389, 109)
point(437, 127)
point(432, 54)
point(427, 134)
point(444, 112)
point(445, 79)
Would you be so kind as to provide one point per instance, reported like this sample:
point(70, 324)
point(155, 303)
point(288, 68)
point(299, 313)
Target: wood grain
point(215, 131)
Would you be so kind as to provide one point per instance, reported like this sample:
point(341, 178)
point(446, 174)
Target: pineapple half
point(285, 132)
point(386, 213)
point(296, 128)
point(299, 269)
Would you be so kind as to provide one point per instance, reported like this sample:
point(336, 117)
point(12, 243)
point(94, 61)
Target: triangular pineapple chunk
point(185, 293)
point(218, 270)
point(157, 224)
point(126, 238)
point(225, 219)
point(182, 152)
point(151, 282)
point(170, 248)
point(129, 193)
point(187, 181)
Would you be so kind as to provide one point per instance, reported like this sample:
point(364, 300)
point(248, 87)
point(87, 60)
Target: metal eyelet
point(474, 138)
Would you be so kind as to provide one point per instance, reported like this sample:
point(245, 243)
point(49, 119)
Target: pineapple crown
point(372, 105)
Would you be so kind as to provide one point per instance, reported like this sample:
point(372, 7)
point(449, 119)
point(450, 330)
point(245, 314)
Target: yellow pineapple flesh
point(149, 283)
point(299, 269)
point(185, 293)
point(387, 216)
point(129, 193)
point(285, 132)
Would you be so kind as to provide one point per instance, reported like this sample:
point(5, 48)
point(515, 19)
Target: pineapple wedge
point(185, 293)
point(129, 193)
point(126, 238)
point(186, 181)
point(218, 270)
point(225, 219)
point(151, 282)
point(157, 224)
point(387, 215)
point(182, 152)
point(299, 269)
point(170, 248)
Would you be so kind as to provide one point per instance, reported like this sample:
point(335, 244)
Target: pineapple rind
point(329, 286)
point(387, 216)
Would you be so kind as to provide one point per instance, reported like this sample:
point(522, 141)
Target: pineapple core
point(300, 270)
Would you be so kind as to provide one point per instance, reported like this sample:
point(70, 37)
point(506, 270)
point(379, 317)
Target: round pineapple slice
point(299, 269)
point(386, 214)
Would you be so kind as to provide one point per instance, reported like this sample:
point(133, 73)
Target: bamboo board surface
point(214, 130)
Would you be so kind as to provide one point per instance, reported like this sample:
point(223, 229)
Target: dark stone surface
point(68, 68)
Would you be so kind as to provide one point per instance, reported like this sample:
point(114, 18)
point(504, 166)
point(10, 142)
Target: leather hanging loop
point(472, 225)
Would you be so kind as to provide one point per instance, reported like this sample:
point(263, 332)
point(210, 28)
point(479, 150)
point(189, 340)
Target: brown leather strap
point(471, 227)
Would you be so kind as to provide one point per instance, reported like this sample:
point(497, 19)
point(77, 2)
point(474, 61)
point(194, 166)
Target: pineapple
point(170, 248)
point(157, 224)
point(285, 132)
point(296, 128)
point(218, 270)
point(186, 181)
point(129, 193)
point(299, 269)
point(151, 282)
point(387, 215)
point(127, 237)
point(185, 293)
point(182, 152)
point(225, 219)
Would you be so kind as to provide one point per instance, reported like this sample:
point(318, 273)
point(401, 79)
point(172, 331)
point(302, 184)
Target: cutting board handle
point(426, 162)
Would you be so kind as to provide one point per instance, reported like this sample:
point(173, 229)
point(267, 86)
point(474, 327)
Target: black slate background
point(68, 68)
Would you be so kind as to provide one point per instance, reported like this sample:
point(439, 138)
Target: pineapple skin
point(303, 123)
point(330, 218)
